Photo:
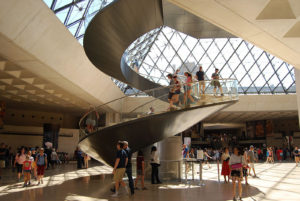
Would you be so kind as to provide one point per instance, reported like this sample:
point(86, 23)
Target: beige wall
point(32, 136)
point(297, 76)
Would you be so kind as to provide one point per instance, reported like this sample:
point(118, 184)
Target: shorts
point(119, 174)
point(27, 175)
point(170, 95)
point(90, 121)
point(235, 173)
point(201, 82)
point(187, 87)
point(34, 165)
point(216, 84)
point(2, 164)
point(139, 172)
point(251, 165)
point(19, 168)
point(40, 169)
point(245, 172)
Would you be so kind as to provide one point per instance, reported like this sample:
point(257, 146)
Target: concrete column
point(170, 155)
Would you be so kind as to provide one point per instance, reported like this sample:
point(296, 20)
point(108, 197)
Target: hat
point(42, 149)
point(251, 146)
point(125, 142)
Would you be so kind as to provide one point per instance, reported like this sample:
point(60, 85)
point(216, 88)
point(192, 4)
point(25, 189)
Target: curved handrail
point(230, 85)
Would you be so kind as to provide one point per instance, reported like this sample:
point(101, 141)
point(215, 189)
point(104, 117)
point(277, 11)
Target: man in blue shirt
point(120, 167)
point(129, 167)
point(200, 77)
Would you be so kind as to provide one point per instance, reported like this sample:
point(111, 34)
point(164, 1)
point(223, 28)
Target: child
point(27, 171)
point(41, 161)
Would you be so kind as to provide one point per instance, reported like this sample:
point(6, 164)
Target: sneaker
point(234, 199)
point(38, 183)
point(114, 195)
point(24, 185)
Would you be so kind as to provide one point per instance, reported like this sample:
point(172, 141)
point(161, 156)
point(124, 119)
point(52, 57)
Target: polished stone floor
point(274, 182)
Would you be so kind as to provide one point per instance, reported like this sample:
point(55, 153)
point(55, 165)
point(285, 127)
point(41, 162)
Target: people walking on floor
point(41, 161)
point(225, 165)
point(34, 166)
point(296, 154)
point(200, 75)
point(87, 158)
point(2, 157)
point(216, 83)
point(19, 160)
point(176, 89)
point(251, 159)
point(27, 164)
point(129, 167)
point(140, 170)
point(54, 158)
point(155, 163)
point(271, 155)
point(206, 158)
point(171, 90)
point(245, 166)
point(120, 168)
point(188, 89)
point(236, 168)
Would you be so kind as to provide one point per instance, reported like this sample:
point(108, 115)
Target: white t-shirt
point(154, 157)
point(234, 159)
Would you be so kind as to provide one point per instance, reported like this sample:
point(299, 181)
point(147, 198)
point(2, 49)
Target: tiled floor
point(274, 182)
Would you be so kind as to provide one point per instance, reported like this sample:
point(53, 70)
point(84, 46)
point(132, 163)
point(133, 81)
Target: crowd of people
point(123, 164)
point(175, 86)
point(239, 163)
point(30, 162)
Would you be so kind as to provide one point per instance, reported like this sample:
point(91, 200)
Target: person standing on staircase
point(216, 83)
point(129, 167)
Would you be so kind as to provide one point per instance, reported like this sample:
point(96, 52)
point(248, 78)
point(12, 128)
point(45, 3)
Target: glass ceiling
point(163, 50)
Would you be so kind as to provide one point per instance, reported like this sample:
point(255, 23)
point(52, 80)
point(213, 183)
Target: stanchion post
point(193, 170)
point(218, 165)
point(201, 183)
point(185, 171)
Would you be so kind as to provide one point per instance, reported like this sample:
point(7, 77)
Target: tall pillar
point(170, 152)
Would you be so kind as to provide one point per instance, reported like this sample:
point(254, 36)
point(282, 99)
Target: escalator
point(147, 120)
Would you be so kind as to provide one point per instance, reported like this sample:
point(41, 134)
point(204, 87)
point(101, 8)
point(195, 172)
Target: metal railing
point(162, 99)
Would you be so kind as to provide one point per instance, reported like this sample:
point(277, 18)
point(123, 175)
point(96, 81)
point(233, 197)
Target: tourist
point(41, 161)
point(225, 165)
point(120, 168)
point(34, 166)
point(251, 159)
point(171, 91)
point(216, 83)
point(2, 157)
point(271, 155)
point(129, 167)
point(31, 159)
point(245, 165)
point(19, 160)
point(188, 89)
point(155, 163)
point(86, 161)
point(54, 158)
point(140, 170)
point(200, 77)
point(27, 170)
point(296, 155)
point(236, 168)
point(206, 158)
point(92, 118)
point(176, 89)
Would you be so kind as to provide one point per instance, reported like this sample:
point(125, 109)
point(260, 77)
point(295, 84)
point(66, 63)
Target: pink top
point(20, 159)
point(188, 80)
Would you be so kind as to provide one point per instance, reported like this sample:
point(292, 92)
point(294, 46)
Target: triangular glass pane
point(191, 42)
point(273, 82)
point(169, 53)
point(227, 51)
point(248, 62)
point(245, 82)
point(176, 41)
point(259, 82)
point(198, 52)
point(234, 61)
point(225, 72)
point(61, 3)
point(240, 72)
point(254, 72)
point(242, 51)
point(235, 42)
point(256, 52)
point(268, 71)
point(213, 51)
point(205, 43)
point(162, 63)
point(176, 62)
point(287, 81)
point(220, 42)
point(282, 71)
point(62, 15)
point(183, 52)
